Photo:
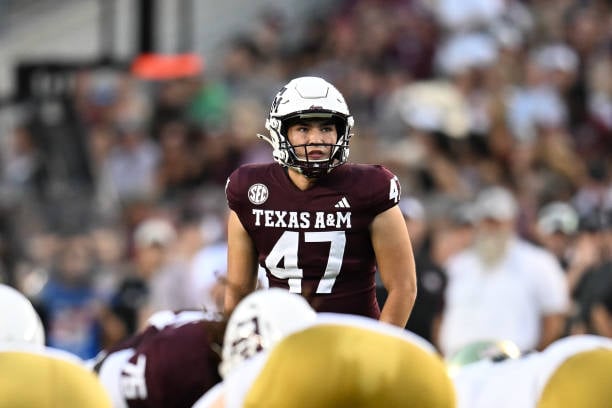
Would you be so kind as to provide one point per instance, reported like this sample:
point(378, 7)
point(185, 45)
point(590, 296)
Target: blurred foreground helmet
point(308, 98)
point(19, 322)
point(482, 350)
point(260, 321)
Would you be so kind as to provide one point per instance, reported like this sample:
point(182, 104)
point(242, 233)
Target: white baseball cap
point(154, 231)
point(558, 217)
point(497, 203)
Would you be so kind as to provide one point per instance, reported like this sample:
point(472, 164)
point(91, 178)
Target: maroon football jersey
point(172, 364)
point(316, 242)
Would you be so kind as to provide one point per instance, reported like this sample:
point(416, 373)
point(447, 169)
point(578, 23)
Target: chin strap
point(266, 138)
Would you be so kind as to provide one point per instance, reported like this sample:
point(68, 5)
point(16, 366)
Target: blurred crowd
point(112, 198)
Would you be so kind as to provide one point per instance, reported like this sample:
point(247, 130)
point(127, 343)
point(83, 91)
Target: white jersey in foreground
point(340, 360)
point(573, 372)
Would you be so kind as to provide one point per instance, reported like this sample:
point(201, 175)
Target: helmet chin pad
point(313, 168)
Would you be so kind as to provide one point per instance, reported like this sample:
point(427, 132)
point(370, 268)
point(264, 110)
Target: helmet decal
point(260, 321)
point(277, 100)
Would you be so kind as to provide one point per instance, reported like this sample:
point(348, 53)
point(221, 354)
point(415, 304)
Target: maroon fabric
point(362, 190)
point(180, 364)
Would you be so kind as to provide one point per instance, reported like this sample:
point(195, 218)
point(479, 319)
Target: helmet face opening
point(299, 156)
point(302, 99)
point(312, 168)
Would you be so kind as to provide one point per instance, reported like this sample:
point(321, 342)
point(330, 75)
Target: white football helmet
point(308, 97)
point(19, 321)
point(260, 321)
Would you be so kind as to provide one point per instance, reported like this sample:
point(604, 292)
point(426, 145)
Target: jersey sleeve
point(385, 189)
point(233, 188)
point(181, 366)
point(171, 367)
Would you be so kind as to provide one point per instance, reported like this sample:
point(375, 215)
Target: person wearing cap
point(559, 63)
point(556, 226)
point(502, 286)
point(131, 304)
point(590, 275)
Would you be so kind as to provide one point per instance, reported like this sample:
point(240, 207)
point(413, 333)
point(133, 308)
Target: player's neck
point(302, 182)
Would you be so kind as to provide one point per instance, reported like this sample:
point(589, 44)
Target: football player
point(176, 359)
point(32, 375)
point(340, 361)
point(319, 226)
point(571, 372)
point(168, 364)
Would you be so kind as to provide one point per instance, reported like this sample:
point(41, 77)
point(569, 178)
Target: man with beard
point(502, 287)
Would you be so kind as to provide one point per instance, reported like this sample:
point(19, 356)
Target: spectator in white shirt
point(502, 287)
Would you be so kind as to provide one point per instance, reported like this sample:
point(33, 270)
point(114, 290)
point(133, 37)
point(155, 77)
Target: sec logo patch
point(258, 193)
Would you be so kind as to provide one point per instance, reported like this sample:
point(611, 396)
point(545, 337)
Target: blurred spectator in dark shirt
point(556, 228)
point(600, 314)
point(128, 306)
point(592, 274)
